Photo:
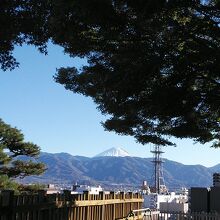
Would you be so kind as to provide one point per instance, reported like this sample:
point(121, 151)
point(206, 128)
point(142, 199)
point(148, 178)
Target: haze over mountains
point(114, 168)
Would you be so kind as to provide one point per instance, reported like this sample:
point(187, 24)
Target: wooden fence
point(67, 206)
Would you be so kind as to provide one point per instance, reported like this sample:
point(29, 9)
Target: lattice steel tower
point(159, 184)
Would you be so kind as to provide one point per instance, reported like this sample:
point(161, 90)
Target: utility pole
point(157, 161)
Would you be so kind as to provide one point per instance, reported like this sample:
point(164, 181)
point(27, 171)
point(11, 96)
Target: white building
point(91, 189)
point(171, 202)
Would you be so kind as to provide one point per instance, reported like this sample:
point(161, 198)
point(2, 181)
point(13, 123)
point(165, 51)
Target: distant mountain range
point(65, 168)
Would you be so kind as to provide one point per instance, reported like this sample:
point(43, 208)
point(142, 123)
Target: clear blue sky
point(61, 121)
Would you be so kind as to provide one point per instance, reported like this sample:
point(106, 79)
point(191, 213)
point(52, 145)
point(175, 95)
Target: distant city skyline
point(61, 121)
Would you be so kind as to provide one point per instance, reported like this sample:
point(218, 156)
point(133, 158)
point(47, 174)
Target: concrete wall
point(199, 199)
point(215, 199)
point(173, 207)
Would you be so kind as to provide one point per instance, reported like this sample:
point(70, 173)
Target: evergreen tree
point(21, 21)
point(153, 65)
point(12, 147)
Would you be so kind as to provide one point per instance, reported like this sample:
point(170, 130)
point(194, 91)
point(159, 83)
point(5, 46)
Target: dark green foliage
point(31, 188)
point(21, 21)
point(6, 183)
point(153, 66)
point(12, 145)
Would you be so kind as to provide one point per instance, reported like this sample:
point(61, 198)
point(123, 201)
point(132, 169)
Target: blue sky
point(61, 121)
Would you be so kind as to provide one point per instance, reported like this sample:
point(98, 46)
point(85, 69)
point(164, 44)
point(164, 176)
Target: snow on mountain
point(114, 152)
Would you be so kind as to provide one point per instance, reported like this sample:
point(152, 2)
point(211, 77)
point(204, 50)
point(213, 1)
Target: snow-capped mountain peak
point(114, 152)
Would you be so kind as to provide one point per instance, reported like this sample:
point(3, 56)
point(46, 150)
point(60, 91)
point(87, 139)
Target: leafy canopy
point(22, 21)
point(12, 147)
point(153, 65)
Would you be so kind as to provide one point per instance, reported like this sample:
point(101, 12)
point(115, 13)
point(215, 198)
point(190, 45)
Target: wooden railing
point(142, 214)
point(156, 215)
point(67, 206)
point(190, 216)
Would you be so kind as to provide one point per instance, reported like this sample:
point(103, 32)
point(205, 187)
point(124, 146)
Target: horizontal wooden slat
point(105, 202)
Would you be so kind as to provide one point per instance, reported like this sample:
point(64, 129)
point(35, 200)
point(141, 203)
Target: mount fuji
point(114, 152)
